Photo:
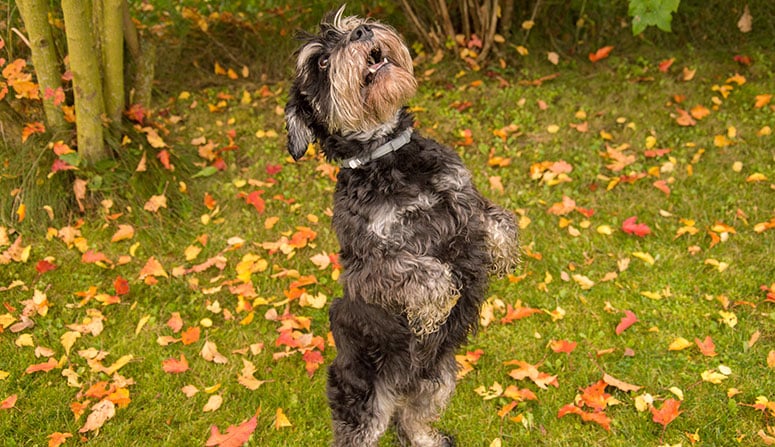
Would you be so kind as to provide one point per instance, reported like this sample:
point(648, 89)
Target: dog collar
point(391, 146)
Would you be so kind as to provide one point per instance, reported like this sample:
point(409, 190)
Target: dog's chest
point(391, 212)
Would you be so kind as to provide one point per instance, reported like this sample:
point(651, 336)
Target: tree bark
point(113, 59)
point(87, 84)
point(34, 13)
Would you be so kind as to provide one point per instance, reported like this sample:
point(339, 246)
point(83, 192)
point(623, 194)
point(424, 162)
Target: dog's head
point(352, 78)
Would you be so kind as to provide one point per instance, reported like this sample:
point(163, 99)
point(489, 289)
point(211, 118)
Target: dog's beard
point(370, 81)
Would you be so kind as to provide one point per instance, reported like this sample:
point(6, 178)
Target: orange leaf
point(175, 366)
point(9, 402)
point(518, 313)
point(45, 367)
point(667, 413)
point(312, 360)
point(601, 53)
point(235, 436)
point(707, 347)
point(164, 158)
point(662, 186)
point(190, 335)
point(684, 119)
point(595, 397)
point(762, 100)
point(699, 112)
point(57, 438)
point(32, 128)
point(563, 346)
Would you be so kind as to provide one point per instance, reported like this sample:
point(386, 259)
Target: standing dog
point(417, 240)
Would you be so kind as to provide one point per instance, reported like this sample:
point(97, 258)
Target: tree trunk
point(10, 128)
point(34, 13)
point(87, 84)
point(113, 59)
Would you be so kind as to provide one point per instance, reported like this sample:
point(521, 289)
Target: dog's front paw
point(429, 298)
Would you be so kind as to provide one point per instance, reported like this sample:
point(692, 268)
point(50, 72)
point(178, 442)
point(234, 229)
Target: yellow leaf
point(191, 252)
point(645, 257)
point(713, 377)
point(120, 363)
point(728, 318)
point(605, 230)
point(764, 131)
point(281, 420)
point(652, 295)
point(24, 340)
point(68, 340)
point(679, 344)
point(141, 323)
point(771, 359)
point(583, 282)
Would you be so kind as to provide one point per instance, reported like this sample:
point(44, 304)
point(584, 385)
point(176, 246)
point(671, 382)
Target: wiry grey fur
point(417, 240)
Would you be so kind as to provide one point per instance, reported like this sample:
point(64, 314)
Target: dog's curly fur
point(418, 241)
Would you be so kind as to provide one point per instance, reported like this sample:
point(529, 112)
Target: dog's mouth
point(375, 61)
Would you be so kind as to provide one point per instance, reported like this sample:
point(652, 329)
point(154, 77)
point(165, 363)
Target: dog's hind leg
point(360, 408)
point(419, 409)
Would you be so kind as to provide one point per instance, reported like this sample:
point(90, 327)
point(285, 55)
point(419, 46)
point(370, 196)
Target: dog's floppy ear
point(297, 121)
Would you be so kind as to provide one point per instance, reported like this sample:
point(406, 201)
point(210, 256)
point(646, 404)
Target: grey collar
point(391, 146)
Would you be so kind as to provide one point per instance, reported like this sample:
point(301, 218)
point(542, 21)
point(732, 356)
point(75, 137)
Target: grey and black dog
point(418, 241)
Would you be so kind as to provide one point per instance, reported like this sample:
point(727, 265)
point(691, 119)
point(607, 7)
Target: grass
point(616, 98)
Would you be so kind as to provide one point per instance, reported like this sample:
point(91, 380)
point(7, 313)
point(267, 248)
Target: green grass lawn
point(242, 253)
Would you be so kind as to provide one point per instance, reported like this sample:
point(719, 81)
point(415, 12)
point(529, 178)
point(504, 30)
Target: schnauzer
point(417, 240)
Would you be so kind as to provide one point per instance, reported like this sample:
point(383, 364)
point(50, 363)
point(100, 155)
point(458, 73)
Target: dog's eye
point(323, 62)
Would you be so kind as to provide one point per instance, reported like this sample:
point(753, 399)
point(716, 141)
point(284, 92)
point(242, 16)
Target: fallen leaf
point(281, 420)
point(628, 320)
point(667, 413)
point(175, 366)
point(630, 226)
point(601, 53)
point(235, 436)
point(8, 402)
point(213, 403)
point(101, 412)
point(707, 347)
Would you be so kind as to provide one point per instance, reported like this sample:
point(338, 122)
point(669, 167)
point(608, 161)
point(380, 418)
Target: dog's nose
point(362, 32)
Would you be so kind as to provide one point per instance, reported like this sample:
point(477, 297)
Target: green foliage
point(647, 13)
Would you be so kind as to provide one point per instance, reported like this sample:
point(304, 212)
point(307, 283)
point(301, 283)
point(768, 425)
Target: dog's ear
point(297, 121)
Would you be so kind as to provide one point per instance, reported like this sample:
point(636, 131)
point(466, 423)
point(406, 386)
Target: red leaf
point(121, 286)
point(630, 226)
point(273, 169)
point(743, 59)
point(312, 359)
point(599, 417)
point(255, 199)
point(595, 397)
point(175, 366)
point(61, 165)
point(44, 266)
point(667, 413)
point(628, 320)
point(235, 436)
point(602, 53)
point(664, 66)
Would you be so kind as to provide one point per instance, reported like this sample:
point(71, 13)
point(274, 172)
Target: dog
point(417, 241)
